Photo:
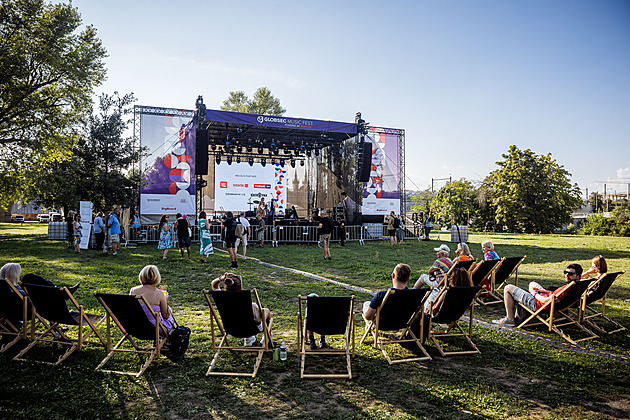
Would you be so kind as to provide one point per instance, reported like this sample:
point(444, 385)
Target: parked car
point(43, 218)
point(18, 218)
point(55, 217)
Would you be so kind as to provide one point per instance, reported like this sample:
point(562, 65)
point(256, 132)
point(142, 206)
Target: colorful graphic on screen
point(381, 194)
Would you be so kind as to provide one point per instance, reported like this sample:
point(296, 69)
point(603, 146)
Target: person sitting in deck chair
point(598, 267)
point(400, 278)
point(537, 295)
point(234, 282)
point(149, 279)
point(310, 336)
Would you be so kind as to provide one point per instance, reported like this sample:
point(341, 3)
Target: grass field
point(513, 377)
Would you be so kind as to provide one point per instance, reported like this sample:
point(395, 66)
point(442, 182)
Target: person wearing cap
point(245, 235)
point(435, 274)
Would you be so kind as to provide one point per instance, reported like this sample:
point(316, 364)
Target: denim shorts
point(525, 298)
point(184, 242)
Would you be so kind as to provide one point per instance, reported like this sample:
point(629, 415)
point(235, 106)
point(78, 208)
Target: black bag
point(178, 341)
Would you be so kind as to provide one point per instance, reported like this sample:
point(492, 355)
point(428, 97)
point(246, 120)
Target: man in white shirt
point(246, 232)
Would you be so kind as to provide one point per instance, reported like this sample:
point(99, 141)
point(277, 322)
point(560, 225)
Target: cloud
point(623, 173)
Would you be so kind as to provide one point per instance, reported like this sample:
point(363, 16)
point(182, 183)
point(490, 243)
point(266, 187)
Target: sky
point(464, 79)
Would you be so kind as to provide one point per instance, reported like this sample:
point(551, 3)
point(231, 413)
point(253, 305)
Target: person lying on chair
point(234, 282)
point(537, 295)
point(149, 279)
point(400, 278)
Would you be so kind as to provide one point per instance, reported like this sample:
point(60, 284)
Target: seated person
point(488, 251)
point(460, 278)
point(234, 282)
point(11, 272)
point(400, 278)
point(463, 253)
point(598, 267)
point(537, 295)
point(311, 336)
point(437, 270)
point(149, 279)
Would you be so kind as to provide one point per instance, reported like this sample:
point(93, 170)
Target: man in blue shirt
point(114, 230)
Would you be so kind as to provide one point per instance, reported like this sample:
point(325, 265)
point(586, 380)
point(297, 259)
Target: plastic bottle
point(283, 352)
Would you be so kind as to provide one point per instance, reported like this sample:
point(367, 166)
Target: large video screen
point(381, 194)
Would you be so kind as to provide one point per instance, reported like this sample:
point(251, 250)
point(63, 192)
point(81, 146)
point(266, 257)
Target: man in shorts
point(113, 223)
point(183, 236)
point(244, 235)
point(325, 229)
point(260, 231)
point(229, 224)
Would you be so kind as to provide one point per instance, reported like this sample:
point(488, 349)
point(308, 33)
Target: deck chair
point(326, 316)
point(14, 309)
point(597, 291)
point(397, 313)
point(509, 266)
point(128, 313)
point(456, 302)
point(51, 309)
point(482, 275)
point(236, 320)
point(554, 314)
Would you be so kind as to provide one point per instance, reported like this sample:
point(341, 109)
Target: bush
point(599, 225)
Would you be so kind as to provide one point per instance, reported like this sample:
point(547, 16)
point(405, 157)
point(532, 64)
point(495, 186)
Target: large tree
point(262, 103)
point(48, 70)
point(456, 202)
point(532, 193)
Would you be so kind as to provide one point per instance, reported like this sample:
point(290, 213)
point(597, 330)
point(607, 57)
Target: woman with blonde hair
point(11, 272)
point(488, 251)
point(598, 267)
point(463, 253)
point(149, 278)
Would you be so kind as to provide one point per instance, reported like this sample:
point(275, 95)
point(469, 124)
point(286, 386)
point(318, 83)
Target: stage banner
point(239, 187)
point(169, 179)
point(381, 194)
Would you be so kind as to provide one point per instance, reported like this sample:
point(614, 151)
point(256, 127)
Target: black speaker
point(365, 161)
point(201, 152)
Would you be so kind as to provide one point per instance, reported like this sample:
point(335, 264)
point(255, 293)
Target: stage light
point(316, 152)
point(273, 161)
point(239, 148)
point(218, 159)
point(260, 150)
point(308, 152)
point(213, 147)
point(238, 159)
point(249, 148)
point(302, 162)
point(263, 162)
point(229, 160)
point(282, 162)
point(293, 163)
point(250, 161)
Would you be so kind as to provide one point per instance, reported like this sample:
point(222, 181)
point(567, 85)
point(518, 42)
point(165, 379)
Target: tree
point(262, 103)
point(423, 201)
point(455, 202)
point(47, 74)
point(533, 193)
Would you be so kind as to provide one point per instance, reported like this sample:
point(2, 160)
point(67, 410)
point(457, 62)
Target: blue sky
point(464, 79)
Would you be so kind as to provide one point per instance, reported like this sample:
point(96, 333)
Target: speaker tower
point(201, 152)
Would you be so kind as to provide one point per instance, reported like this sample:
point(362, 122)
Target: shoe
point(249, 341)
point(115, 254)
point(323, 344)
point(503, 322)
point(329, 258)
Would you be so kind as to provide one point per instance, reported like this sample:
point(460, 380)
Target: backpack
point(240, 230)
point(178, 341)
point(396, 222)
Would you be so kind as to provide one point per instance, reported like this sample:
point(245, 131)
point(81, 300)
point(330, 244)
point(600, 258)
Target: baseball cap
point(443, 247)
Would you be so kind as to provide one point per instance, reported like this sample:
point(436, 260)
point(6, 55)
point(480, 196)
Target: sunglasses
point(571, 273)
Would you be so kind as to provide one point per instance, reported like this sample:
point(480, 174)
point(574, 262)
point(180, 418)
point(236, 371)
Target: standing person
point(242, 234)
point(427, 228)
point(342, 230)
point(229, 224)
point(134, 225)
point(183, 234)
point(272, 211)
point(205, 237)
point(70, 229)
point(324, 229)
point(400, 230)
point(391, 228)
point(99, 231)
point(76, 226)
point(262, 207)
point(488, 251)
point(113, 223)
point(260, 231)
point(165, 242)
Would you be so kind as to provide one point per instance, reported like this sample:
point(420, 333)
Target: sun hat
point(443, 247)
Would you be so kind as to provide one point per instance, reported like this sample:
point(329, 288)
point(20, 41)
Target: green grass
point(512, 377)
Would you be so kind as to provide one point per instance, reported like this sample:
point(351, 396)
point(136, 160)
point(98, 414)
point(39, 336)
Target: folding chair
point(482, 275)
point(128, 313)
point(397, 313)
point(14, 309)
point(326, 316)
point(456, 301)
point(236, 320)
point(50, 308)
point(597, 291)
point(509, 266)
point(553, 314)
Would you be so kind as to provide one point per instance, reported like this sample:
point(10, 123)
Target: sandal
point(504, 322)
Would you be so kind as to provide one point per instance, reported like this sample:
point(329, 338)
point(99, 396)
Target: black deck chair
point(596, 292)
point(554, 314)
point(14, 310)
point(235, 318)
point(51, 309)
point(127, 312)
point(40, 281)
point(457, 301)
point(397, 313)
point(327, 316)
point(509, 266)
point(482, 275)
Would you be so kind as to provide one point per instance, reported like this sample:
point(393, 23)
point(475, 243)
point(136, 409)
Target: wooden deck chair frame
point(155, 332)
point(13, 306)
point(485, 270)
point(587, 313)
point(554, 314)
point(501, 274)
point(246, 315)
point(373, 328)
point(49, 308)
point(450, 314)
point(339, 321)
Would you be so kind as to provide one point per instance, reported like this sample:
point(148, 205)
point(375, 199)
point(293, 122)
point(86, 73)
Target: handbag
point(178, 339)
